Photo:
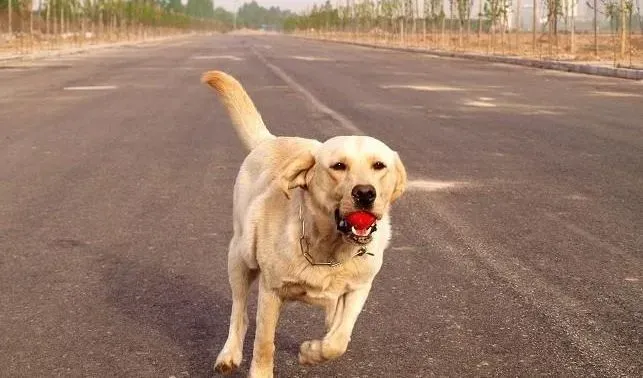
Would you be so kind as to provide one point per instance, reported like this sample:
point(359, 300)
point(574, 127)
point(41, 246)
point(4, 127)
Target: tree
point(554, 11)
point(173, 6)
point(200, 8)
point(464, 12)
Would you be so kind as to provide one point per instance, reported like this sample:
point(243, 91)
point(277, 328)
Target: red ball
point(361, 220)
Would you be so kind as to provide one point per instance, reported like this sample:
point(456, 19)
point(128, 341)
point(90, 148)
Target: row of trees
point(83, 18)
point(63, 15)
point(76, 22)
point(252, 15)
point(457, 19)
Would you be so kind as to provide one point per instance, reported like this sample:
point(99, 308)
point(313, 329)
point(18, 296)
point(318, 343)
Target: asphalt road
point(517, 249)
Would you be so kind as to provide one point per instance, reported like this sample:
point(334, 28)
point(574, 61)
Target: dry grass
point(33, 43)
point(511, 44)
point(34, 35)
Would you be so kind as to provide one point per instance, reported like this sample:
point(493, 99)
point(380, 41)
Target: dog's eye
point(339, 166)
point(378, 165)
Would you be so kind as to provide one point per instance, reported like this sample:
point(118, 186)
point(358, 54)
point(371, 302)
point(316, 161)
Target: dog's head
point(352, 179)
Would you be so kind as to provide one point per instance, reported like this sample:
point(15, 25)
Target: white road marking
point(311, 58)
point(615, 94)
point(91, 88)
point(271, 87)
point(480, 104)
point(403, 248)
point(207, 57)
point(427, 88)
point(342, 120)
point(432, 185)
point(576, 197)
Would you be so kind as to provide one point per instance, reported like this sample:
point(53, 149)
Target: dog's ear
point(292, 174)
point(401, 179)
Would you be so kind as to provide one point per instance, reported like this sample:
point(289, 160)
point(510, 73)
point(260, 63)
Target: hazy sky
point(294, 5)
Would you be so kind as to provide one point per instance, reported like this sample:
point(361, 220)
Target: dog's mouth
point(357, 226)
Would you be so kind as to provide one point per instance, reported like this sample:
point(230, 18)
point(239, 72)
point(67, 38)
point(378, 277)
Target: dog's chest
point(319, 289)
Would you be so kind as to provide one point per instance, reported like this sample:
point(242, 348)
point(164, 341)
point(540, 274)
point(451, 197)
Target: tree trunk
point(550, 26)
point(54, 22)
point(10, 21)
point(572, 43)
point(555, 19)
point(451, 3)
point(101, 25)
point(62, 19)
point(415, 13)
point(468, 35)
point(623, 28)
point(424, 29)
point(533, 25)
point(518, 25)
point(443, 26)
point(503, 28)
point(403, 21)
point(595, 28)
point(480, 23)
point(48, 15)
point(402, 30)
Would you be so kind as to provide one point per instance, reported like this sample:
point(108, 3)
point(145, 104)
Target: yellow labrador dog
point(311, 222)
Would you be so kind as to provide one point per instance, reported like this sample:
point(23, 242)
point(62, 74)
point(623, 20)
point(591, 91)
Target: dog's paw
point(310, 352)
point(225, 368)
point(226, 363)
point(316, 351)
point(257, 372)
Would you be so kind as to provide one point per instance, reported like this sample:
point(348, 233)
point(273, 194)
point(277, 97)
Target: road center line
point(341, 119)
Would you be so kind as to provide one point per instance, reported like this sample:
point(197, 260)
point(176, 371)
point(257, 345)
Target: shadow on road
point(195, 317)
point(162, 301)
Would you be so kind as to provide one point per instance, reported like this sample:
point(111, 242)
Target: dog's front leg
point(336, 340)
point(268, 308)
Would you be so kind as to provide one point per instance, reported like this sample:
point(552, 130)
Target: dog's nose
point(364, 195)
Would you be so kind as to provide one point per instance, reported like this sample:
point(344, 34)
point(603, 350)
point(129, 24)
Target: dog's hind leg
point(240, 277)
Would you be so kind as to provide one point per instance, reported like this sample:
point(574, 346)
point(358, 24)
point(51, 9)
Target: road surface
point(517, 249)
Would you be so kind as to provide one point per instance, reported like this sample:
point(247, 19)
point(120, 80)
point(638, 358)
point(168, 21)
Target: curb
point(588, 69)
point(79, 50)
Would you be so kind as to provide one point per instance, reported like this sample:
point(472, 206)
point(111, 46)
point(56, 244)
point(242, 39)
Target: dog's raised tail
point(245, 116)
